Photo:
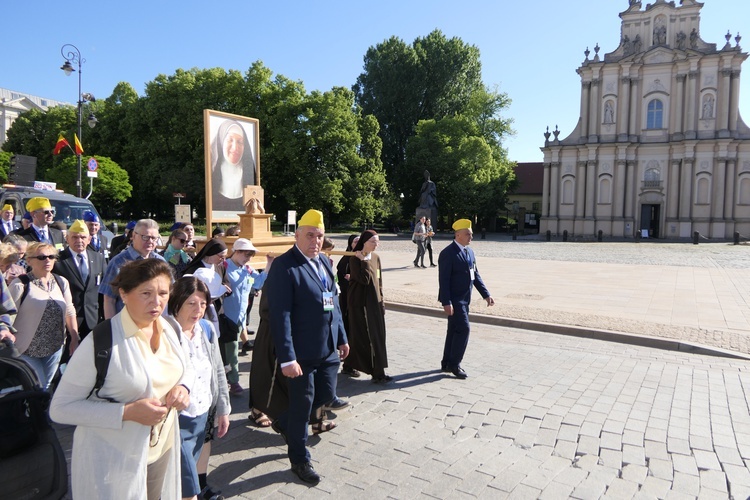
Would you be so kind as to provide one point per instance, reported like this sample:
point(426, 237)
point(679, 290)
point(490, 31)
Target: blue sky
point(529, 49)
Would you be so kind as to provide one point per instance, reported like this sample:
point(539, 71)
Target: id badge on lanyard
point(328, 301)
point(472, 271)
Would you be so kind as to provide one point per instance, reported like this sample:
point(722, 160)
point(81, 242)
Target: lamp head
point(67, 68)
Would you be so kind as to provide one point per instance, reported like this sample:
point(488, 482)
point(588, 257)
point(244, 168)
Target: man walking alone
point(457, 273)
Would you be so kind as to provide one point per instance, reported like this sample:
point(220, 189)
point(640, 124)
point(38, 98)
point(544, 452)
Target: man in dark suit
point(98, 242)
point(83, 268)
point(457, 272)
point(308, 335)
point(7, 224)
point(42, 215)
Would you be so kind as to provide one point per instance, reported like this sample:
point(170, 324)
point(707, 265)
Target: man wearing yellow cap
point(7, 224)
point(83, 267)
point(308, 335)
point(42, 215)
point(457, 273)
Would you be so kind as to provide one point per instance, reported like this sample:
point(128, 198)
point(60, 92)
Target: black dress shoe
point(459, 373)
point(278, 430)
point(306, 472)
point(336, 404)
point(423, 266)
point(433, 265)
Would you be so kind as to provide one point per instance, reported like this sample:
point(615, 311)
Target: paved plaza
point(542, 414)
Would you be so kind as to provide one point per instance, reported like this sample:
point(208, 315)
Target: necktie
point(82, 267)
point(96, 243)
point(466, 254)
point(321, 272)
point(8, 227)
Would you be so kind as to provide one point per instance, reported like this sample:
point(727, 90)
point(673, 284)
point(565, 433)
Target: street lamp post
point(71, 54)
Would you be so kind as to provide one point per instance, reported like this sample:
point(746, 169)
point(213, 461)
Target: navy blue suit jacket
point(455, 278)
point(301, 329)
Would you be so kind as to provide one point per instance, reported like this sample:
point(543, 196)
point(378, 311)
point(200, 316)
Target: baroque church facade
point(660, 148)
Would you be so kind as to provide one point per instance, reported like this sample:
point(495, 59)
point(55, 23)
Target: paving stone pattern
point(540, 416)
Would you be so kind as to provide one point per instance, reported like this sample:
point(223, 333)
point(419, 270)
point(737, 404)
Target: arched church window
point(744, 190)
point(702, 190)
point(567, 192)
point(655, 114)
point(605, 191)
point(652, 177)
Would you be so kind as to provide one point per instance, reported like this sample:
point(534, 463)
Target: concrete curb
point(576, 331)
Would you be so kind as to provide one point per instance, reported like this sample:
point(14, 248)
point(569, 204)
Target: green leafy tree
point(433, 78)
point(4, 166)
point(111, 186)
point(471, 175)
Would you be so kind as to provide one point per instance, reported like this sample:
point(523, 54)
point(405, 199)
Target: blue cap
point(131, 225)
point(177, 225)
point(27, 216)
point(89, 216)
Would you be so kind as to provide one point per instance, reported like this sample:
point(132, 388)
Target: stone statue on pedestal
point(428, 204)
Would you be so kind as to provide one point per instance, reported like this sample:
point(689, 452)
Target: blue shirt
point(113, 269)
point(241, 281)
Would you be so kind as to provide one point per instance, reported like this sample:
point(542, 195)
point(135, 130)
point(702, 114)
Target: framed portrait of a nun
point(232, 162)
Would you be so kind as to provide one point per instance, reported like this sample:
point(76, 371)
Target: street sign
point(92, 174)
point(178, 195)
point(92, 164)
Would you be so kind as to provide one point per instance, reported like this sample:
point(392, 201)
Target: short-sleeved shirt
point(113, 269)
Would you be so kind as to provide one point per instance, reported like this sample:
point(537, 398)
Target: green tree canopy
point(401, 84)
point(111, 186)
point(471, 175)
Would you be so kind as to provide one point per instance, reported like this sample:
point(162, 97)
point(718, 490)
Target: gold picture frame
point(232, 158)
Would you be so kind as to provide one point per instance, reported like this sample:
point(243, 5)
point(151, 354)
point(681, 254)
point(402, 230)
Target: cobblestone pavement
point(540, 416)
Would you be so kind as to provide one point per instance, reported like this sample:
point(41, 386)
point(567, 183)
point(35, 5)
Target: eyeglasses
point(48, 212)
point(45, 257)
point(181, 240)
point(155, 435)
point(146, 237)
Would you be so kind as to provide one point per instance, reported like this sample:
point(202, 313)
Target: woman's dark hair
point(363, 239)
point(328, 244)
point(176, 234)
point(217, 231)
point(182, 289)
point(135, 273)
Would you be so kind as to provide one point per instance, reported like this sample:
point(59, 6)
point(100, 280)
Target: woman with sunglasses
point(175, 254)
point(45, 309)
point(127, 440)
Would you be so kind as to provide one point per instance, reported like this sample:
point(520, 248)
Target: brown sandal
point(323, 426)
point(260, 418)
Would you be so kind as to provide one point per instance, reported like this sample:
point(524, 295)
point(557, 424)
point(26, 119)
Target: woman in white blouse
point(209, 398)
point(45, 309)
point(127, 443)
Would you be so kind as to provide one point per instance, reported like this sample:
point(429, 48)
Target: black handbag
point(229, 330)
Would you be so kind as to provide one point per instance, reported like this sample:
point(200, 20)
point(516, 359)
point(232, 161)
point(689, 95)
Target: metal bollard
point(484, 233)
point(599, 236)
point(736, 237)
point(696, 236)
point(637, 236)
point(515, 235)
point(113, 227)
point(549, 235)
point(565, 235)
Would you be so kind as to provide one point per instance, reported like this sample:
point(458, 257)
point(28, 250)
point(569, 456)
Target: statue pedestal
point(255, 226)
point(430, 213)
